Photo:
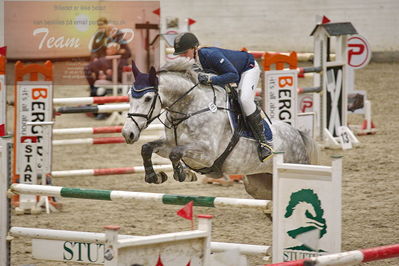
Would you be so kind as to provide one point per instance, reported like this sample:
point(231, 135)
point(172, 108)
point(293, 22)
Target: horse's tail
point(312, 149)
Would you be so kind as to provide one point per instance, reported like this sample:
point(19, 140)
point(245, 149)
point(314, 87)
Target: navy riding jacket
point(227, 64)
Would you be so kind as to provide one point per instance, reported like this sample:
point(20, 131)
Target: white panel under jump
point(111, 249)
point(306, 209)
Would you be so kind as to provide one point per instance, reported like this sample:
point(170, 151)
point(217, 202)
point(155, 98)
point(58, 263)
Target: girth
point(215, 170)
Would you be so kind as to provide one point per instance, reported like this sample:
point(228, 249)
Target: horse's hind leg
point(180, 172)
point(146, 152)
point(259, 186)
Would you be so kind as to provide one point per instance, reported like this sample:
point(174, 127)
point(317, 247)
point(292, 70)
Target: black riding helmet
point(185, 41)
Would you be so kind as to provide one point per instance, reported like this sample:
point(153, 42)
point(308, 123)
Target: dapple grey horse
point(197, 133)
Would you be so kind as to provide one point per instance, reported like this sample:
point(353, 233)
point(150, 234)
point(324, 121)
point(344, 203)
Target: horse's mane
point(179, 64)
point(183, 67)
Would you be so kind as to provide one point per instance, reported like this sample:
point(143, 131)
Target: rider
point(230, 67)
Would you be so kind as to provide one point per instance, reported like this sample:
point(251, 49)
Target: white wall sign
point(68, 251)
point(305, 103)
point(281, 95)
point(359, 52)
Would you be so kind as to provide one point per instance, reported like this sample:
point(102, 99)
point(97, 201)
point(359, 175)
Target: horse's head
point(145, 104)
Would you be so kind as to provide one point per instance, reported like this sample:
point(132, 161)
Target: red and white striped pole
point(347, 258)
point(102, 140)
point(91, 100)
point(99, 130)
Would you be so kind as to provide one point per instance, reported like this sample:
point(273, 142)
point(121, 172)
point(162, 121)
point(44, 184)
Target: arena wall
point(284, 25)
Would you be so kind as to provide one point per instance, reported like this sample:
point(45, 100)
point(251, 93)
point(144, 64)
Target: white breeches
point(247, 89)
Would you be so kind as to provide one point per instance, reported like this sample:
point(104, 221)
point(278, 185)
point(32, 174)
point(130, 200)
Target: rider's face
point(189, 53)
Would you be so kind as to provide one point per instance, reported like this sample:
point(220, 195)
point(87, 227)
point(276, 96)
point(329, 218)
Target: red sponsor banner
point(68, 31)
point(56, 29)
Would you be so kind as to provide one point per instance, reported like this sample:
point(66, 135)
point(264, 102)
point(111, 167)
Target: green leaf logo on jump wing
point(306, 203)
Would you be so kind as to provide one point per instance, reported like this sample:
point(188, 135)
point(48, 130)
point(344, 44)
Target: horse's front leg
point(180, 172)
point(146, 152)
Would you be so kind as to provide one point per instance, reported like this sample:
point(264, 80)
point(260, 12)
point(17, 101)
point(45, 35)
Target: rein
point(175, 122)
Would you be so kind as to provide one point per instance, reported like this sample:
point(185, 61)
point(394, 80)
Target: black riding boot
point(254, 121)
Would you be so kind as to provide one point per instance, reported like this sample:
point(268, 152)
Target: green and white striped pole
point(115, 195)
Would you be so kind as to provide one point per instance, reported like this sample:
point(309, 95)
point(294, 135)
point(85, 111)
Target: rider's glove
point(204, 78)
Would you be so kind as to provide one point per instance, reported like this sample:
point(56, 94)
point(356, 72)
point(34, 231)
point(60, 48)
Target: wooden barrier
point(44, 240)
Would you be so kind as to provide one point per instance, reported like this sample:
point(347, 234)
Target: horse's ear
point(135, 69)
point(153, 79)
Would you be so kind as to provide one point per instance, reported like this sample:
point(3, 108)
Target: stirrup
point(264, 145)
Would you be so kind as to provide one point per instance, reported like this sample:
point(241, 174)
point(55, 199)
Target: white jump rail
point(91, 237)
point(115, 195)
point(347, 258)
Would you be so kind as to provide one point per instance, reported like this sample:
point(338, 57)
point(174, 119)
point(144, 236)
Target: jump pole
point(108, 108)
point(91, 100)
point(99, 130)
point(104, 140)
point(347, 258)
point(115, 195)
point(109, 171)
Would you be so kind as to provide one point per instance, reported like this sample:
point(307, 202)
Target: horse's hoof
point(179, 174)
point(191, 176)
point(156, 178)
point(161, 177)
point(179, 177)
point(151, 178)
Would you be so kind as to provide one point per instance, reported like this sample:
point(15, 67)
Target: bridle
point(174, 122)
point(147, 116)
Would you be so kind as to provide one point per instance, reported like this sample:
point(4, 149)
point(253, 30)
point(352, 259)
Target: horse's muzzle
point(129, 136)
